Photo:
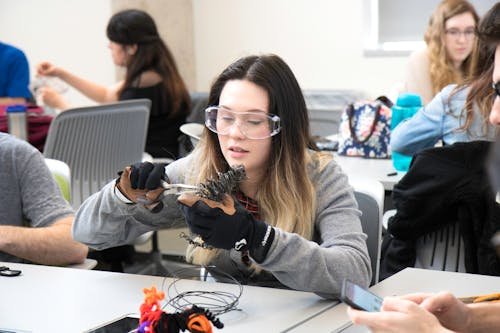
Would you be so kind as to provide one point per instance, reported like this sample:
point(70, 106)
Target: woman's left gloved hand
point(227, 225)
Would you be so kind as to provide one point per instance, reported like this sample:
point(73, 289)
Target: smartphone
point(126, 324)
point(359, 297)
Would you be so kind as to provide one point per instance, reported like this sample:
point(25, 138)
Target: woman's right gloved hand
point(142, 181)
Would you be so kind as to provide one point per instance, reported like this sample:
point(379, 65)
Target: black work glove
point(226, 230)
point(141, 183)
point(147, 175)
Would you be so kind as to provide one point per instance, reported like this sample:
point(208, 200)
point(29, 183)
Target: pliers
point(176, 189)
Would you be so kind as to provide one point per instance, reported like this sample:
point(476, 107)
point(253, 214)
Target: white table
point(377, 169)
point(407, 281)
point(53, 299)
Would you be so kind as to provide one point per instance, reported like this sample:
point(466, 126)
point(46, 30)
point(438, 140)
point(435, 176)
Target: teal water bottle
point(406, 106)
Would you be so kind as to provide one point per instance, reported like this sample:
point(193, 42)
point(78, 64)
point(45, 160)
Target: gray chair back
point(370, 197)
point(441, 250)
point(97, 142)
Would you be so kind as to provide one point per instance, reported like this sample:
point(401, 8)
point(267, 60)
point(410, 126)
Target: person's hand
point(398, 315)
point(51, 98)
point(48, 69)
point(142, 181)
point(227, 225)
point(451, 312)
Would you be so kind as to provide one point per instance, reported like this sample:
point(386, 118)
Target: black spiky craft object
point(214, 189)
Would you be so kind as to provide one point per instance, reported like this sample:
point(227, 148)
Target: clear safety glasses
point(253, 124)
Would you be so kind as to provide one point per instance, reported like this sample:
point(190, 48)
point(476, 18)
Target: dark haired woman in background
point(151, 72)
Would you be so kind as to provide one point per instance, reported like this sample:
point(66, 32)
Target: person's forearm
point(90, 89)
point(485, 317)
point(51, 245)
point(62, 105)
point(12, 100)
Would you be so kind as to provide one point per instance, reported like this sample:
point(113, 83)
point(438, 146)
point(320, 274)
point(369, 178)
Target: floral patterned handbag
point(365, 129)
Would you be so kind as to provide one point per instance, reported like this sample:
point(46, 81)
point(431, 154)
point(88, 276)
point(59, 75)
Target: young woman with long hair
point(151, 72)
point(450, 39)
point(443, 312)
point(459, 113)
point(295, 220)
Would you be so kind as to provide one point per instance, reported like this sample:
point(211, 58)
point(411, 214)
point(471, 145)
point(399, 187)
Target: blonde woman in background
point(458, 113)
point(450, 39)
point(443, 312)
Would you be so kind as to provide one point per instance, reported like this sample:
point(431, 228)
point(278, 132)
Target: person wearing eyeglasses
point(459, 113)
point(295, 221)
point(443, 312)
point(450, 39)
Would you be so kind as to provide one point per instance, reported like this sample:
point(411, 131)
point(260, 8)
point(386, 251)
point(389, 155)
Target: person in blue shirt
point(14, 75)
point(459, 113)
point(443, 312)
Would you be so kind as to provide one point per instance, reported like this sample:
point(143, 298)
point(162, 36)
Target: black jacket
point(444, 185)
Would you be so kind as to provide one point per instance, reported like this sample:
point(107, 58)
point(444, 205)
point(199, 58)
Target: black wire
point(217, 302)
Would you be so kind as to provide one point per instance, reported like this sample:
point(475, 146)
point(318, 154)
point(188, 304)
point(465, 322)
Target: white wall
point(69, 33)
point(321, 40)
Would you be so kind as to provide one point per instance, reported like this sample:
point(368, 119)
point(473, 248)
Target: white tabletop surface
point(380, 169)
point(372, 168)
point(407, 281)
point(53, 299)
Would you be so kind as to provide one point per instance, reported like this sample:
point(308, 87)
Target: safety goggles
point(253, 124)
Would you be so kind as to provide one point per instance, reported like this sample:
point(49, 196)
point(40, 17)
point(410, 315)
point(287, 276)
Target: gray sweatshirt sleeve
point(340, 250)
point(337, 252)
point(104, 221)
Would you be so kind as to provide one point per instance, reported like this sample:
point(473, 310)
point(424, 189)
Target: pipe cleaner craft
point(154, 320)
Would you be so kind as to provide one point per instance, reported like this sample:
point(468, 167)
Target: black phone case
point(344, 297)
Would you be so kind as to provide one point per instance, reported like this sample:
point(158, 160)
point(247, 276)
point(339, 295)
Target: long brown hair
point(480, 95)
point(441, 69)
point(286, 197)
point(488, 29)
point(132, 26)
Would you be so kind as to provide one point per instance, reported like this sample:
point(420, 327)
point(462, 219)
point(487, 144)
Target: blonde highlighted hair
point(286, 196)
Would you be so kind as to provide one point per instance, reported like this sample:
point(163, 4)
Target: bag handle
point(385, 101)
point(379, 101)
point(372, 129)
